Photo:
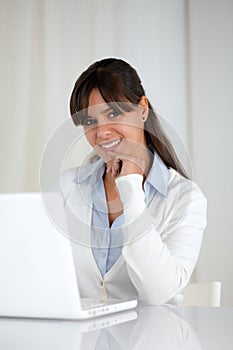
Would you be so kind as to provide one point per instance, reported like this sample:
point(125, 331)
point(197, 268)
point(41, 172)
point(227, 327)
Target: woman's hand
point(121, 165)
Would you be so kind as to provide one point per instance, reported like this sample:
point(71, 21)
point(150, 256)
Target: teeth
point(111, 144)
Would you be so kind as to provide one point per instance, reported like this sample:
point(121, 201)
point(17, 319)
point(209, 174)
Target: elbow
point(155, 298)
point(153, 301)
point(169, 292)
point(162, 299)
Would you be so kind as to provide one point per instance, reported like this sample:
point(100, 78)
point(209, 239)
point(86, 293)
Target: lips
point(107, 146)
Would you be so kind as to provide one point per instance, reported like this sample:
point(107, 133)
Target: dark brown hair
point(117, 81)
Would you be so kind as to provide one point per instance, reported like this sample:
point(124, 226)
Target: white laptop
point(37, 271)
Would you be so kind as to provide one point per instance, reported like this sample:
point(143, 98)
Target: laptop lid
point(37, 272)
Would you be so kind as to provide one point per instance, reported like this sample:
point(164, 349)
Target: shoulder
point(185, 199)
point(80, 175)
point(179, 185)
point(74, 176)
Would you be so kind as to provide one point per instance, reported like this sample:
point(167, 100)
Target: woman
point(143, 218)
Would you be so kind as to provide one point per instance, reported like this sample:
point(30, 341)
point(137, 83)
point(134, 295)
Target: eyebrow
point(102, 112)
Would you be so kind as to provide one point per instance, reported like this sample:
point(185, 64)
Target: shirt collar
point(158, 175)
point(93, 170)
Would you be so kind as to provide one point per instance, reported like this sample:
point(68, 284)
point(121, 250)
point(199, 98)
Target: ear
point(143, 104)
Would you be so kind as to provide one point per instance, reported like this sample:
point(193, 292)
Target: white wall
point(211, 108)
point(46, 44)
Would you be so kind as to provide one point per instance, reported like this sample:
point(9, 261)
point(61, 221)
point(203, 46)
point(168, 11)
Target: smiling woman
point(146, 217)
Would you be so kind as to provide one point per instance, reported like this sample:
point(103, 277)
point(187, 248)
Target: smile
point(109, 145)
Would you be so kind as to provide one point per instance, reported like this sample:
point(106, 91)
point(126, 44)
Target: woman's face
point(107, 130)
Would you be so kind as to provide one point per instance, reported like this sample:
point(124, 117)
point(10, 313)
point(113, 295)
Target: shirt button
point(104, 255)
point(101, 283)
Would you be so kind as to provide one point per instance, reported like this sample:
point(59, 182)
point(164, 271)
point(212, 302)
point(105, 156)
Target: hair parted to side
point(118, 82)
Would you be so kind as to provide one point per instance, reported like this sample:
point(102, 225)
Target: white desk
point(161, 328)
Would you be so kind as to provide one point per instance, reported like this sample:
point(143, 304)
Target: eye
point(113, 114)
point(89, 122)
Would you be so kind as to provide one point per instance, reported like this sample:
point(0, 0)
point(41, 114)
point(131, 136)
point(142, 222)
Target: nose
point(103, 131)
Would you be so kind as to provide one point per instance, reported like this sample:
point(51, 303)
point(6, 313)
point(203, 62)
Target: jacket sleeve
point(161, 256)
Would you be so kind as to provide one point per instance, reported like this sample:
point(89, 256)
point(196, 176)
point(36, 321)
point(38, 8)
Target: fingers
point(123, 165)
point(114, 167)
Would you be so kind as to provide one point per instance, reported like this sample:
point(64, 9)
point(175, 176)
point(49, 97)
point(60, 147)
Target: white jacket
point(161, 246)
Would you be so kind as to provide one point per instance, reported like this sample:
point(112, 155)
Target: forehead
point(95, 98)
point(96, 103)
point(98, 106)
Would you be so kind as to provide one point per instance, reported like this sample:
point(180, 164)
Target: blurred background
point(183, 52)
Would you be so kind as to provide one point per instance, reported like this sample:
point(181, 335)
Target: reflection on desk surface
point(154, 328)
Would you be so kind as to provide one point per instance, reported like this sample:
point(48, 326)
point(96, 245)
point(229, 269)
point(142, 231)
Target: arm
point(161, 258)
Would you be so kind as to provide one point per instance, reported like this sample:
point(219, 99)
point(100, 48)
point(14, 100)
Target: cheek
point(133, 132)
point(125, 130)
point(90, 136)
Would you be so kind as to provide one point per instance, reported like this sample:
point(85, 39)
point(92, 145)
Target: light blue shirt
point(107, 241)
